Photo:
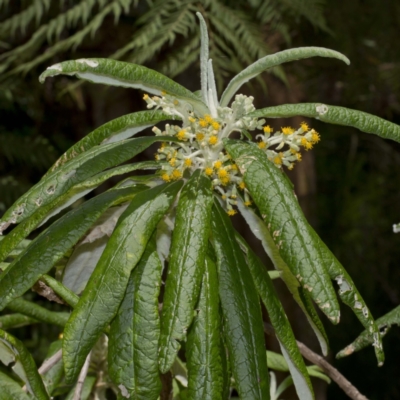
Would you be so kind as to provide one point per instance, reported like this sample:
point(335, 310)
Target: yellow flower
point(203, 123)
point(191, 119)
point(287, 130)
point(315, 138)
point(157, 157)
point(217, 164)
point(304, 142)
point(213, 140)
point(304, 126)
point(163, 92)
point(262, 145)
point(172, 162)
point(145, 96)
point(165, 177)
point(231, 212)
point(234, 167)
point(176, 174)
point(215, 125)
point(298, 155)
point(188, 162)
point(209, 171)
point(291, 166)
point(176, 102)
point(242, 185)
point(247, 203)
point(199, 137)
point(225, 180)
point(278, 159)
point(181, 135)
point(223, 197)
point(208, 118)
point(267, 129)
point(223, 173)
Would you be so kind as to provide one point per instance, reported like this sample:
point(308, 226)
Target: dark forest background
point(348, 186)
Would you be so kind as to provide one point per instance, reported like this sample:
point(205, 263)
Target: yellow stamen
point(242, 185)
point(223, 173)
point(172, 162)
point(223, 197)
point(203, 123)
point(267, 129)
point(231, 213)
point(165, 177)
point(199, 137)
point(209, 171)
point(188, 162)
point(304, 142)
point(304, 126)
point(298, 155)
point(215, 125)
point(315, 138)
point(287, 130)
point(191, 119)
point(208, 118)
point(262, 145)
point(176, 174)
point(247, 203)
point(145, 96)
point(217, 164)
point(181, 134)
point(213, 140)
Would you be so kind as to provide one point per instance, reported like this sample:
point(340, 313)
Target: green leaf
point(203, 58)
point(106, 287)
point(60, 290)
point(261, 232)
point(10, 321)
point(365, 338)
point(281, 212)
point(113, 131)
point(54, 375)
point(13, 351)
point(273, 60)
point(14, 239)
point(77, 170)
point(243, 325)
point(203, 347)
point(135, 332)
point(352, 297)
point(51, 245)
point(37, 312)
point(334, 115)
point(186, 265)
point(281, 324)
point(11, 389)
point(119, 73)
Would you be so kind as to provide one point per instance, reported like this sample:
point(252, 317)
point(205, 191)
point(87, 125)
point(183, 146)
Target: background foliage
point(354, 196)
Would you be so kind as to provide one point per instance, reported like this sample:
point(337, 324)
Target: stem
point(81, 379)
point(50, 362)
point(329, 370)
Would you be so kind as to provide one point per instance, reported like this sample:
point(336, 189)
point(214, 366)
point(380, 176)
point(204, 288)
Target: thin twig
point(81, 379)
point(50, 362)
point(329, 370)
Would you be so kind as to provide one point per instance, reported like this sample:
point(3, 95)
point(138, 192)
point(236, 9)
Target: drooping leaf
point(274, 60)
point(13, 351)
point(77, 170)
point(17, 320)
point(51, 245)
point(261, 232)
point(365, 338)
point(119, 73)
point(203, 346)
point(243, 326)
point(106, 287)
point(135, 332)
point(11, 389)
point(281, 324)
point(334, 115)
point(296, 240)
point(186, 265)
point(113, 131)
point(37, 312)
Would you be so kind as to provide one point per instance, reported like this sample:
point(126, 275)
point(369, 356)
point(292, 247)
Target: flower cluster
point(200, 145)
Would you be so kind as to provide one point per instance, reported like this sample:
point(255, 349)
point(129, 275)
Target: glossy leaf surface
point(334, 115)
point(13, 351)
point(186, 265)
point(203, 354)
point(135, 331)
point(106, 287)
point(285, 220)
point(274, 60)
point(11, 389)
point(50, 246)
point(243, 325)
point(119, 73)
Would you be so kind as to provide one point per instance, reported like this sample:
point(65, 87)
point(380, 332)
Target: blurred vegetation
point(357, 192)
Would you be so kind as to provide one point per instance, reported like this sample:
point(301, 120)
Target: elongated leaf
point(186, 265)
point(119, 73)
point(76, 171)
point(135, 332)
point(113, 131)
point(50, 246)
point(17, 320)
point(13, 351)
point(37, 312)
point(60, 290)
point(88, 251)
point(334, 115)
point(281, 324)
point(351, 297)
point(203, 347)
point(14, 239)
point(261, 232)
point(284, 218)
point(163, 238)
point(106, 287)
point(11, 389)
point(273, 60)
point(365, 338)
point(241, 310)
point(203, 58)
